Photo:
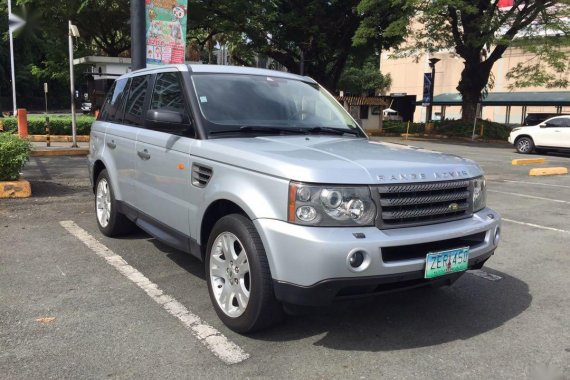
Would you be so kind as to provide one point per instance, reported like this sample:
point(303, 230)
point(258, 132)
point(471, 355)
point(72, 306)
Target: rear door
point(119, 142)
point(163, 157)
point(564, 140)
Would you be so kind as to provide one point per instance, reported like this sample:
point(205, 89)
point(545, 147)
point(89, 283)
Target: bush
point(59, 125)
point(457, 128)
point(14, 152)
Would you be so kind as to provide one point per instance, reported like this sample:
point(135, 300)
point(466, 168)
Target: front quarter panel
point(259, 195)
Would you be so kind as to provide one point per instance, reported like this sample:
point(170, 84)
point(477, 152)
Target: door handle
point(111, 144)
point(145, 155)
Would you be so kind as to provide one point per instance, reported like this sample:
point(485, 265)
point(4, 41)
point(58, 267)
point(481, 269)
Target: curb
point(15, 189)
point(528, 161)
point(43, 152)
point(547, 171)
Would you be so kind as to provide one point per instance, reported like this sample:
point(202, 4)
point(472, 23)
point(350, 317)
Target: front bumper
point(304, 257)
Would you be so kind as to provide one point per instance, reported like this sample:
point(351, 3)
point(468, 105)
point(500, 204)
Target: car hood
point(339, 160)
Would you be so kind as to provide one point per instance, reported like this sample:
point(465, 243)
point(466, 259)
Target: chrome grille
point(423, 203)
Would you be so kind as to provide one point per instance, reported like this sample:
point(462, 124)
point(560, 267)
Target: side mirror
point(543, 125)
point(168, 121)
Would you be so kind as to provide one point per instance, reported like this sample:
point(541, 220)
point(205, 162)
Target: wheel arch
point(98, 167)
point(521, 136)
point(214, 212)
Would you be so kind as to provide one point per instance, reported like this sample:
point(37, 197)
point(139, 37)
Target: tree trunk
point(474, 78)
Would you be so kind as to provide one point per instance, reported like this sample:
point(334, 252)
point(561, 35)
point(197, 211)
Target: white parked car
point(553, 134)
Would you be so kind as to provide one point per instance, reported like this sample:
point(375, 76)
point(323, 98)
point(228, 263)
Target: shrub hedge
point(14, 153)
point(59, 125)
point(453, 128)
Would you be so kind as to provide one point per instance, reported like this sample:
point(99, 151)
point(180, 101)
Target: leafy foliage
point(14, 153)
point(365, 79)
point(480, 32)
point(315, 37)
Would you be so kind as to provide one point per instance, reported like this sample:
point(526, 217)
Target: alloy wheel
point(230, 274)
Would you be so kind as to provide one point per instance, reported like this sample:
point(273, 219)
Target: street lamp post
point(432, 62)
point(73, 32)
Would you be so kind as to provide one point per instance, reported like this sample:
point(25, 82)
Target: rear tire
point(109, 220)
point(524, 145)
point(239, 280)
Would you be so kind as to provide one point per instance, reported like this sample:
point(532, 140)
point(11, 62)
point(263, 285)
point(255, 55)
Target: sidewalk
point(40, 149)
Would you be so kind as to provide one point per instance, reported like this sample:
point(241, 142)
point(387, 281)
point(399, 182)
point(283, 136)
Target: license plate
point(446, 262)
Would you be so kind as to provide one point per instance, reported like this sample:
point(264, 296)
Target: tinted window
point(558, 122)
point(113, 101)
point(134, 107)
point(168, 93)
point(265, 101)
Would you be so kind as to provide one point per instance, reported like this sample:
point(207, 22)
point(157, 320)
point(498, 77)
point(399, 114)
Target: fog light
point(497, 236)
point(358, 260)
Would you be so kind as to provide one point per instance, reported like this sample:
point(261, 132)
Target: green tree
point(365, 79)
point(480, 32)
point(314, 36)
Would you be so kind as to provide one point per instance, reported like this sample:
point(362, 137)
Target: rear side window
point(134, 106)
point(112, 105)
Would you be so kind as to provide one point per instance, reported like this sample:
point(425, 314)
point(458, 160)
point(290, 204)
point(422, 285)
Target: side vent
point(201, 175)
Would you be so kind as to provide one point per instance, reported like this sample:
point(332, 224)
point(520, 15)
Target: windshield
point(246, 103)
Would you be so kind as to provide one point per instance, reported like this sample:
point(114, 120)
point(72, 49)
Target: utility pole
point(14, 22)
point(73, 32)
point(138, 35)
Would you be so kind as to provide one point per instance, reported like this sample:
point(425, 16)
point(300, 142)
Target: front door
point(163, 166)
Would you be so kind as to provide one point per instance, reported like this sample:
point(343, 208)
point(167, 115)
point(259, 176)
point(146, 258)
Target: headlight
point(479, 194)
point(330, 206)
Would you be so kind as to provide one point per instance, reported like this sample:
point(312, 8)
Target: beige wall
point(407, 77)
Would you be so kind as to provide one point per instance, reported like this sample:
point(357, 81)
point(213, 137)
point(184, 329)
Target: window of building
point(364, 112)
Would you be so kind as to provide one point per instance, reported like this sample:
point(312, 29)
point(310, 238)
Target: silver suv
point(266, 178)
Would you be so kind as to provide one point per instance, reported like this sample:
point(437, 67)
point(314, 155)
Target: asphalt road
point(66, 313)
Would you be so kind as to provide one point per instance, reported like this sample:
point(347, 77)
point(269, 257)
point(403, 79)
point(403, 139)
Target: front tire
point(239, 280)
point(524, 145)
point(109, 220)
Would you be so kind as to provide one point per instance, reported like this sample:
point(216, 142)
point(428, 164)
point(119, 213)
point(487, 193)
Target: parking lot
point(70, 308)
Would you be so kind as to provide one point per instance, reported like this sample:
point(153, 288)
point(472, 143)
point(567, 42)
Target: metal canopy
point(552, 98)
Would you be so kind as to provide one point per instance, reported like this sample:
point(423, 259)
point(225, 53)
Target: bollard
point(22, 123)
point(97, 114)
point(47, 132)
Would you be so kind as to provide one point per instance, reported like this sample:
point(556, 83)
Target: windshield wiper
point(256, 129)
point(331, 130)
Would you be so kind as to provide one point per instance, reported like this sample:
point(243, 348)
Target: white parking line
point(528, 196)
point(535, 226)
point(216, 342)
point(535, 183)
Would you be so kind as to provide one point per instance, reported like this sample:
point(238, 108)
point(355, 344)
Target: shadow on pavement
point(410, 319)
point(419, 318)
